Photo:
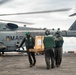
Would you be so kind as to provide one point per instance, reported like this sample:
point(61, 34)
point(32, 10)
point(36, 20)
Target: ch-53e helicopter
point(10, 33)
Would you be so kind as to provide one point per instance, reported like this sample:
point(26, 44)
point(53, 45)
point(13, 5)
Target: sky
point(49, 20)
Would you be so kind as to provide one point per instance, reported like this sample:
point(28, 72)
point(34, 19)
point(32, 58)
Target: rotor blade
point(74, 14)
point(37, 12)
point(3, 1)
point(17, 21)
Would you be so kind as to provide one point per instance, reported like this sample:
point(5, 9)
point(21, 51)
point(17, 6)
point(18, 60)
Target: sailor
point(29, 42)
point(58, 48)
point(49, 45)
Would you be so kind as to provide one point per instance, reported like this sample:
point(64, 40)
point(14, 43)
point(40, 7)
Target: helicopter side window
point(11, 26)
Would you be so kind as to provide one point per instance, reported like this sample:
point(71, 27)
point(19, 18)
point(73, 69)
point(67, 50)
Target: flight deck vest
point(59, 42)
point(49, 41)
point(29, 42)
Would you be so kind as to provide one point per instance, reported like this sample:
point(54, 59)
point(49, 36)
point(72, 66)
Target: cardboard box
point(39, 46)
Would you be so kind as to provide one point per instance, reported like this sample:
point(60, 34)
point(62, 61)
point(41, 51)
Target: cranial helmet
point(57, 33)
point(27, 33)
point(47, 32)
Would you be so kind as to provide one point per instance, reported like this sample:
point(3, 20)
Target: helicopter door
point(9, 39)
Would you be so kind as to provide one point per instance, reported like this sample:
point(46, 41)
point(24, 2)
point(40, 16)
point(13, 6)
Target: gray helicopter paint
point(11, 37)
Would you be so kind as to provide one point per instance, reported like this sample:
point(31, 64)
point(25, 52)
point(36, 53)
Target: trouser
point(31, 57)
point(2, 52)
point(58, 56)
point(49, 54)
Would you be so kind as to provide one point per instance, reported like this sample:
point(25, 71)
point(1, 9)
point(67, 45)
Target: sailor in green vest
point(49, 45)
point(29, 42)
point(58, 48)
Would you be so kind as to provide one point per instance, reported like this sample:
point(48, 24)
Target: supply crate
point(39, 46)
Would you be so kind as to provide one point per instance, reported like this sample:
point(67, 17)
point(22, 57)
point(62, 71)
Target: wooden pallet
point(36, 50)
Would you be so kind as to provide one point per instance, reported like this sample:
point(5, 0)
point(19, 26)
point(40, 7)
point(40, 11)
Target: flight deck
point(17, 64)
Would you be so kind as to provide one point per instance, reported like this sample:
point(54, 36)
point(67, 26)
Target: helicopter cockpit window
point(11, 26)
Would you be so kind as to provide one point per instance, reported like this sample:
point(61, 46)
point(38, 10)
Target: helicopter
point(11, 33)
